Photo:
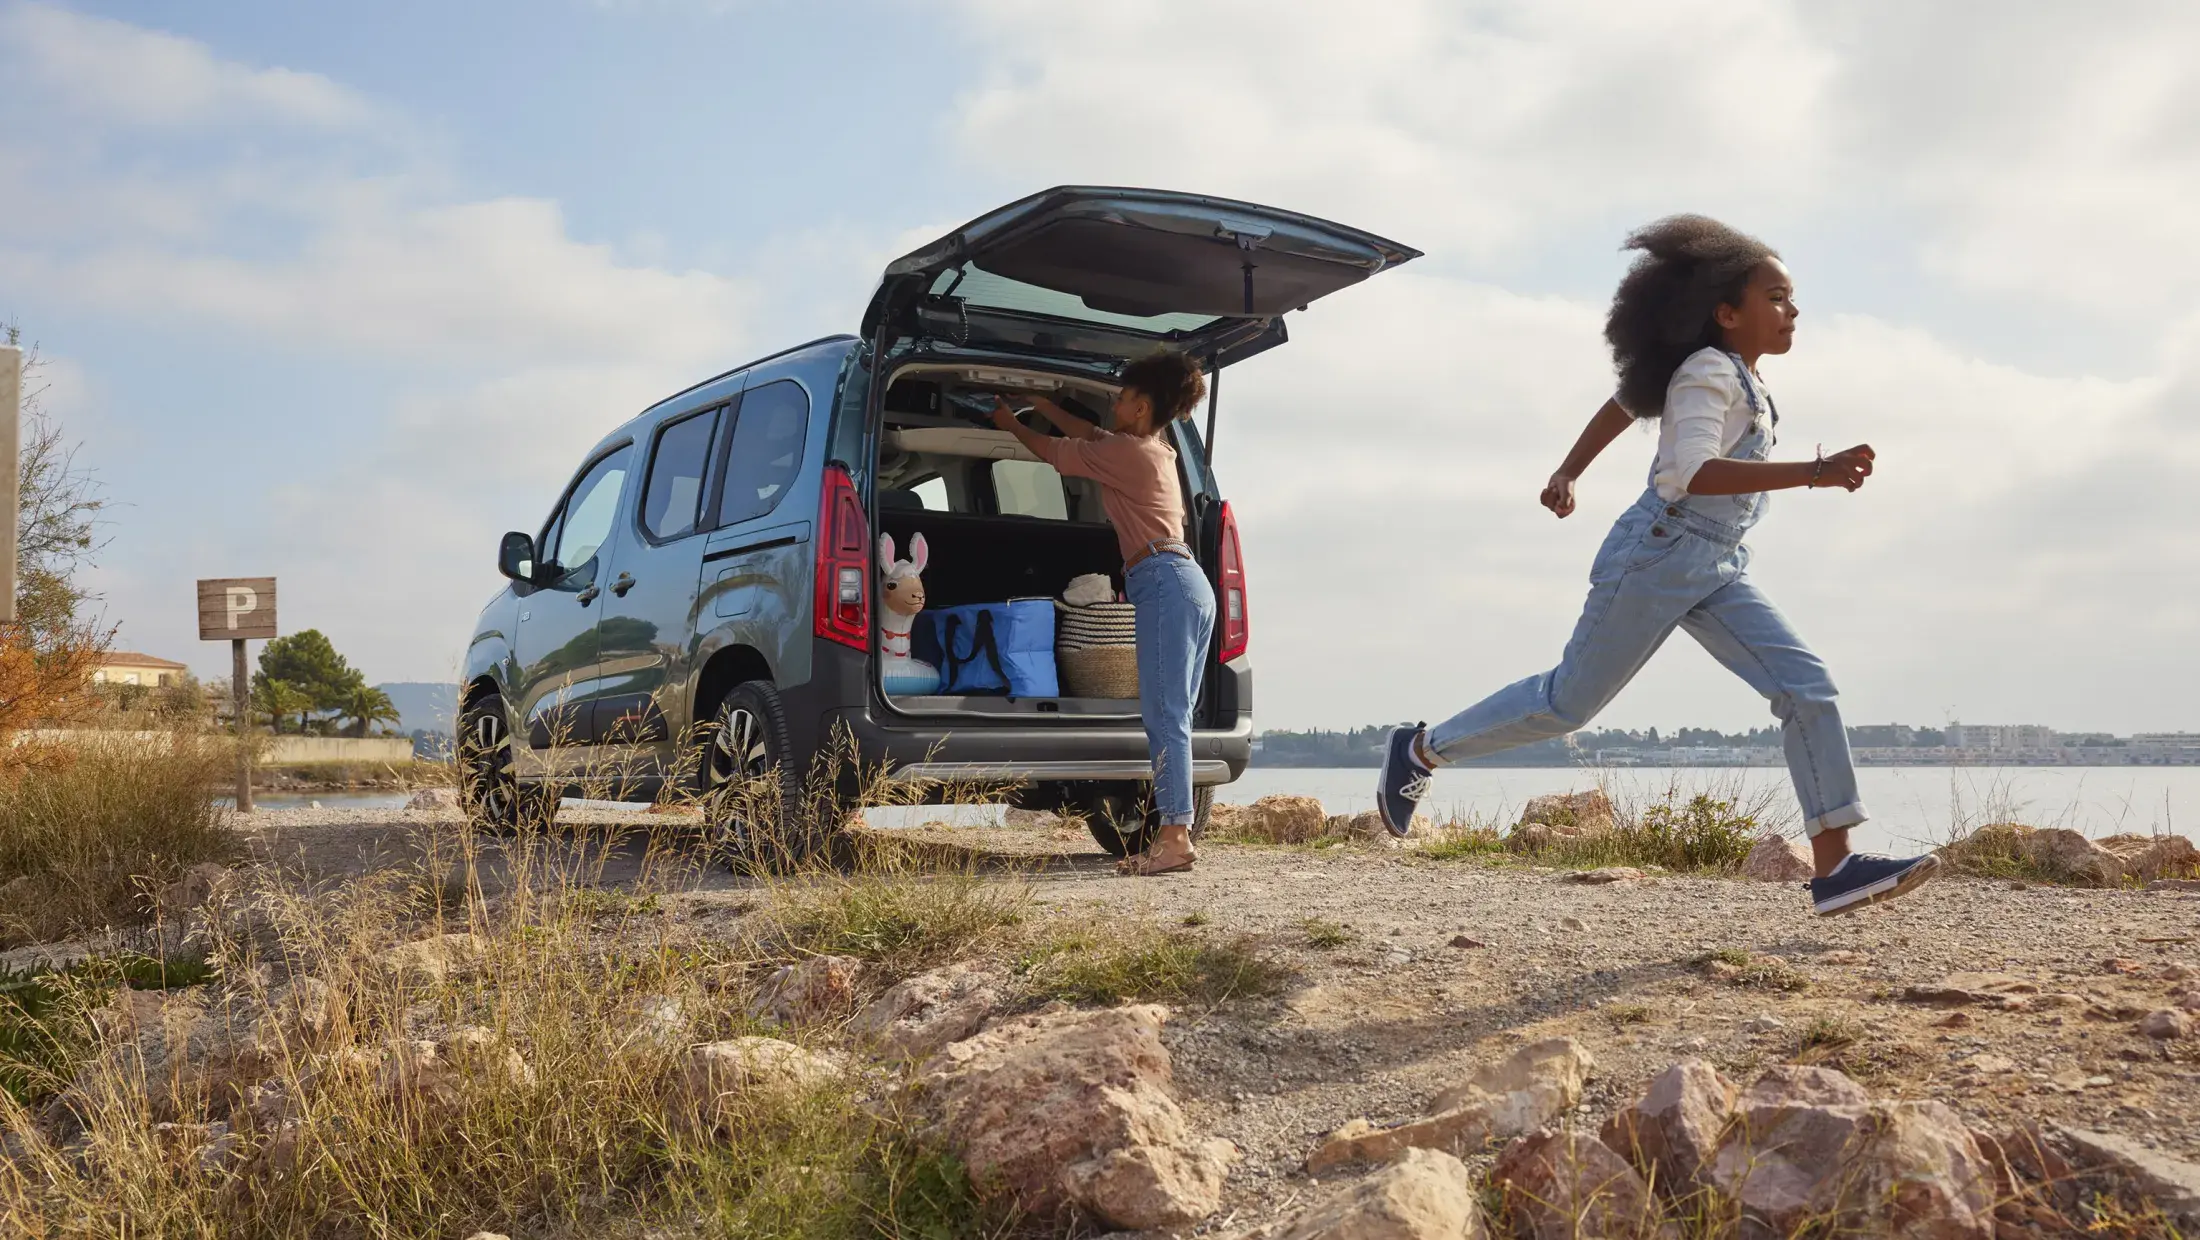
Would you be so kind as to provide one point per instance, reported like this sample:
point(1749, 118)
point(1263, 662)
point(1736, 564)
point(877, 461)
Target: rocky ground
point(1445, 965)
point(2012, 1004)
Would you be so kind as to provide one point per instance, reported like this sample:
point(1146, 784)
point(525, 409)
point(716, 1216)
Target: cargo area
point(999, 524)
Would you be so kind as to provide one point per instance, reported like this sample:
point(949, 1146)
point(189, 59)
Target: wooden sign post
point(238, 609)
point(11, 432)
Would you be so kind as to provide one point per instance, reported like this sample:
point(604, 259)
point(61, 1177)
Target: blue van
point(699, 607)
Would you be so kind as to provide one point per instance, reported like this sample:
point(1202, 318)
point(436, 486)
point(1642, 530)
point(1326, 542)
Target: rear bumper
point(839, 695)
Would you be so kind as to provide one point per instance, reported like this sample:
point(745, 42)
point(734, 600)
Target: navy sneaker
point(1864, 879)
point(1403, 782)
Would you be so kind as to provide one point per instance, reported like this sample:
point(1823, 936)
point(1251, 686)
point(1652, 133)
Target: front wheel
point(752, 794)
point(489, 790)
point(1123, 822)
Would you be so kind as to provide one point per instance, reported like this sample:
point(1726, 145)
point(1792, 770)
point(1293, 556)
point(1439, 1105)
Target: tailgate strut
point(1214, 395)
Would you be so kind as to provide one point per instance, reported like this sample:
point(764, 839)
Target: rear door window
point(1029, 489)
point(765, 450)
point(673, 499)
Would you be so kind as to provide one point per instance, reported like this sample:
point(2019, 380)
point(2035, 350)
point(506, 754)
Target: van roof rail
point(750, 365)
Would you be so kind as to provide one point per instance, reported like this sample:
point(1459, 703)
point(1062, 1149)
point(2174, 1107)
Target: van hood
point(1115, 273)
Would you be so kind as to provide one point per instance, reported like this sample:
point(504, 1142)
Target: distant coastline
point(1696, 747)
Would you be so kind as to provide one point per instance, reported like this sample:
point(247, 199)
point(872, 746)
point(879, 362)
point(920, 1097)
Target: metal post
point(11, 431)
point(240, 693)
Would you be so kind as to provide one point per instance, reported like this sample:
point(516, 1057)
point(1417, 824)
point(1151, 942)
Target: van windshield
point(979, 287)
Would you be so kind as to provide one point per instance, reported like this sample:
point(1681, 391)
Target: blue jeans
point(1176, 621)
point(1665, 567)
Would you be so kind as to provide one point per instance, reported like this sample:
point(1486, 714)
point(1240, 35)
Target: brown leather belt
point(1158, 546)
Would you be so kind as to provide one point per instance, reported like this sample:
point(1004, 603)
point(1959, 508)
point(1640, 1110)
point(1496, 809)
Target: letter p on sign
point(232, 608)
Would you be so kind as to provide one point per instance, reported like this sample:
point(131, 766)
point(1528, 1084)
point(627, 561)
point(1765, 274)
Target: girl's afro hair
point(1170, 379)
point(1690, 265)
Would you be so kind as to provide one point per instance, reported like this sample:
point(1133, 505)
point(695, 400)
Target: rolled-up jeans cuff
point(1185, 821)
point(1836, 819)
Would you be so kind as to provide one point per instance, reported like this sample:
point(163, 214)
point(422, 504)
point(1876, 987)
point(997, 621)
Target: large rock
point(433, 799)
point(437, 959)
point(924, 1013)
point(432, 1077)
point(1368, 825)
point(661, 1023)
point(1775, 858)
point(1562, 818)
point(1809, 1144)
point(1280, 820)
point(719, 1079)
point(1074, 1108)
point(817, 989)
point(1996, 990)
point(1563, 1185)
point(2168, 1024)
point(2149, 858)
point(1673, 1131)
point(1424, 1195)
point(2070, 857)
point(2170, 1183)
point(1516, 1095)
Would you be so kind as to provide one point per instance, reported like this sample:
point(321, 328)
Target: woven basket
point(1099, 624)
point(1098, 671)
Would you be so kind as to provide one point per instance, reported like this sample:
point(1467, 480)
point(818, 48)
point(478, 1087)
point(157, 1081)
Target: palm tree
point(280, 699)
point(366, 707)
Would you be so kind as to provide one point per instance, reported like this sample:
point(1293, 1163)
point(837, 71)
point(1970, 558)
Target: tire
point(752, 794)
point(1123, 822)
point(489, 792)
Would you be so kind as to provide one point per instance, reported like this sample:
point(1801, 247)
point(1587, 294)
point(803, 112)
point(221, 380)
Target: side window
point(933, 492)
point(589, 513)
point(766, 452)
point(673, 498)
point(1029, 489)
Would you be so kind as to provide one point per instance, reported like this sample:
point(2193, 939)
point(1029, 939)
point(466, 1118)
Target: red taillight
point(843, 563)
point(1235, 612)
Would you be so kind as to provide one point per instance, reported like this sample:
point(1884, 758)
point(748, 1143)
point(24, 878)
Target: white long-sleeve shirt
point(1706, 414)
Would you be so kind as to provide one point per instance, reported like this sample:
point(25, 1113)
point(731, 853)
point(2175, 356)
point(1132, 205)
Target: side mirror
point(516, 557)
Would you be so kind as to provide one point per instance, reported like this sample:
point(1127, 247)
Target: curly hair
point(1689, 267)
point(1171, 380)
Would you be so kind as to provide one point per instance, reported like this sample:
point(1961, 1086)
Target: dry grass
point(1685, 830)
point(1128, 962)
point(88, 831)
point(593, 1133)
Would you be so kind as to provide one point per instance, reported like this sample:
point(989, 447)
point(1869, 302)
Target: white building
point(2000, 736)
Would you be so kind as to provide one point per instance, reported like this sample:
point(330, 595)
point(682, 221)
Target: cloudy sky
point(339, 293)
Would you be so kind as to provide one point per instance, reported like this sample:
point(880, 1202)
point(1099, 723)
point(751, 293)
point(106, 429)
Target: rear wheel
point(1123, 823)
point(752, 795)
point(489, 790)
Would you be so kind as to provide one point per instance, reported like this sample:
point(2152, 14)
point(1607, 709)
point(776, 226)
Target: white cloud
point(114, 72)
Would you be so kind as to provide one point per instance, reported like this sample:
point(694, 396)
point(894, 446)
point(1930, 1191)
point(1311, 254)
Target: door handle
point(587, 595)
point(623, 584)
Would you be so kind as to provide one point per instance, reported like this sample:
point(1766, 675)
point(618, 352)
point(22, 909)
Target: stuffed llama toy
point(899, 602)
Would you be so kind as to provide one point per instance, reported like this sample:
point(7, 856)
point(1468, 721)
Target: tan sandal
point(1146, 865)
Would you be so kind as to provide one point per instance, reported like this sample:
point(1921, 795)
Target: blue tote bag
point(995, 647)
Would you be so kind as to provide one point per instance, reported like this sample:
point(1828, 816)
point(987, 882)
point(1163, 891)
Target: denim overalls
point(1682, 564)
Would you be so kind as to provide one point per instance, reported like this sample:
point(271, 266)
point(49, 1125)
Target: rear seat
point(990, 559)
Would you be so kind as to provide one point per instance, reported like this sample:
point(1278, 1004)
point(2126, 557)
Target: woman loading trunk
point(1687, 327)
point(1144, 498)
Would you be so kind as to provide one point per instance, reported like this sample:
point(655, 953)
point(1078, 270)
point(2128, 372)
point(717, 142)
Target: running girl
point(1175, 606)
point(1701, 305)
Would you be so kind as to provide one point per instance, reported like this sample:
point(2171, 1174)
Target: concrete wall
point(285, 749)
